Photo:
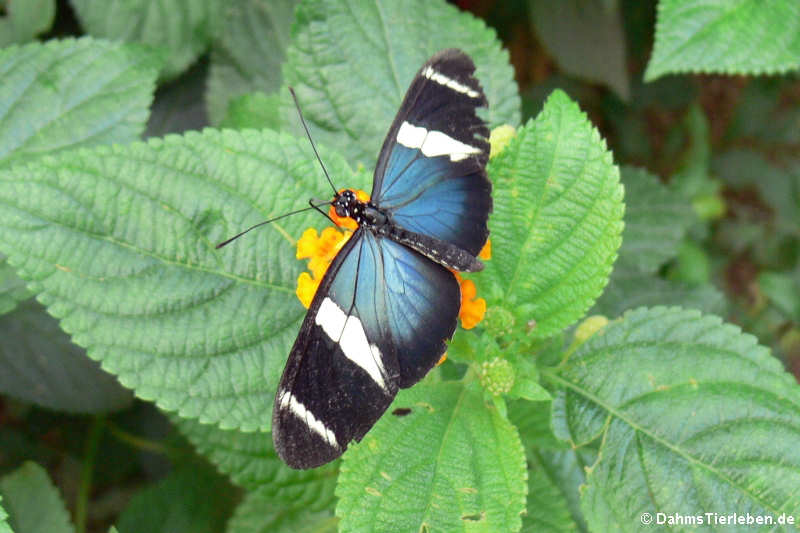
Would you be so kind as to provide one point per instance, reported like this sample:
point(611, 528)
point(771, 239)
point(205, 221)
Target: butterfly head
point(346, 204)
point(352, 208)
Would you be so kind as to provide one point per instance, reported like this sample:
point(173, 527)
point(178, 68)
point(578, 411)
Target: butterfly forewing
point(431, 170)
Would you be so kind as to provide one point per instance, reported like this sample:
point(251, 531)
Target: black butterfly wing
point(377, 322)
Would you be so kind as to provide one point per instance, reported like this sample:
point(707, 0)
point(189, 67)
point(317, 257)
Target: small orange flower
point(486, 251)
point(347, 222)
point(472, 309)
point(320, 251)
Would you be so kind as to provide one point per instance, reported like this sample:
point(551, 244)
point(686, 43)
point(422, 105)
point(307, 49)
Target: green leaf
point(63, 94)
point(261, 513)
point(452, 464)
point(693, 265)
point(256, 111)
point(742, 37)
point(762, 113)
point(628, 290)
point(565, 470)
point(557, 219)
point(12, 288)
point(33, 502)
point(548, 509)
point(532, 419)
point(783, 290)
point(249, 51)
point(251, 462)
point(25, 20)
point(680, 400)
point(119, 244)
point(41, 366)
point(181, 29)
point(191, 499)
point(656, 221)
point(178, 106)
point(777, 182)
point(585, 38)
point(4, 527)
point(352, 61)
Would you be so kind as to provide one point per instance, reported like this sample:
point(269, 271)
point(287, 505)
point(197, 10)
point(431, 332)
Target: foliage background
point(709, 150)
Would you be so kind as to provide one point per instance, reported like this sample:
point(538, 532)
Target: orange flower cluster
point(320, 251)
point(321, 248)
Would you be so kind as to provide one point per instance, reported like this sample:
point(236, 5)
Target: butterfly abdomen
point(442, 252)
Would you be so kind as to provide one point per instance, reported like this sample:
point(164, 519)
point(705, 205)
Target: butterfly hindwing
point(423, 299)
point(377, 322)
point(431, 170)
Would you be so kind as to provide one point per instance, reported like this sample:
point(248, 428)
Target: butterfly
point(389, 301)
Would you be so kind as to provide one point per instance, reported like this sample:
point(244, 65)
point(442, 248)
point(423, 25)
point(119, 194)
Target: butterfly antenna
point(311, 206)
point(305, 127)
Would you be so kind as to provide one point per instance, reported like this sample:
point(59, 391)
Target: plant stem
point(90, 452)
point(139, 443)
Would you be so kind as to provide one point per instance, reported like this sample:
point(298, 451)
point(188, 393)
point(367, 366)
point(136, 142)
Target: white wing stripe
point(289, 401)
point(434, 143)
point(349, 333)
point(450, 83)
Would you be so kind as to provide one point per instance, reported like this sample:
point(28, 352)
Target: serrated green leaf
point(12, 288)
point(33, 502)
point(452, 464)
point(41, 366)
point(256, 111)
point(557, 219)
point(63, 94)
point(548, 509)
point(693, 415)
point(532, 420)
point(351, 61)
point(251, 462)
point(555, 472)
point(4, 527)
point(119, 244)
point(249, 51)
point(24, 20)
point(566, 470)
point(260, 513)
point(629, 290)
point(528, 389)
point(182, 29)
point(585, 38)
point(191, 499)
point(741, 37)
point(656, 221)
